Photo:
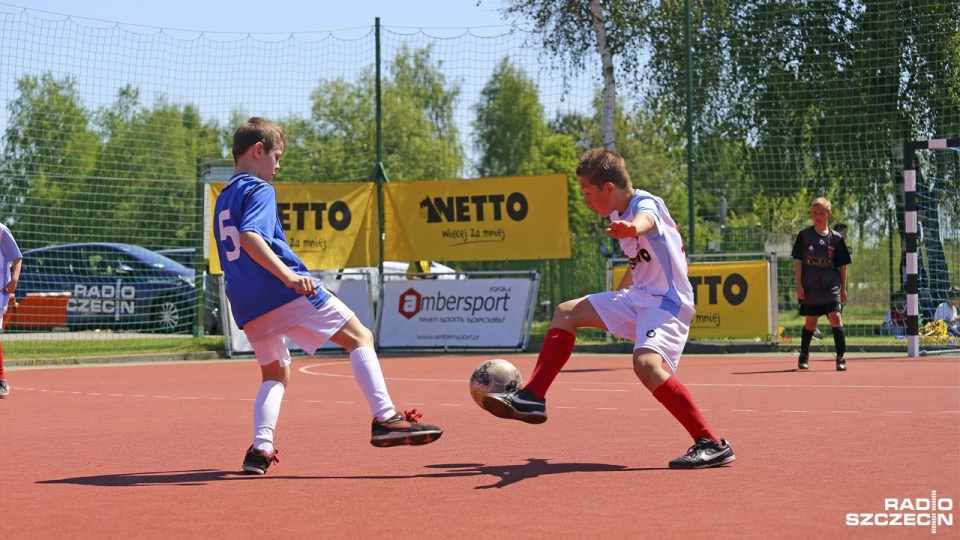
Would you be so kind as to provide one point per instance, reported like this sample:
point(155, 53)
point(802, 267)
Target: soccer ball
point(494, 376)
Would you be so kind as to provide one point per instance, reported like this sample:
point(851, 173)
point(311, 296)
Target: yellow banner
point(327, 225)
point(732, 300)
point(485, 219)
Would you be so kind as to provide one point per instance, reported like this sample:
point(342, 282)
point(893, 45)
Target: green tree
point(49, 149)
point(420, 138)
point(509, 125)
point(572, 28)
point(146, 172)
point(816, 95)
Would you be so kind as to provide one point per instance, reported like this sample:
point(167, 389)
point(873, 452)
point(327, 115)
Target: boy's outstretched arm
point(260, 251)
point(641, 224)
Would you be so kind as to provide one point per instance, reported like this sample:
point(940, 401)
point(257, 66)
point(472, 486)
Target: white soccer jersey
point(9, 252)
point(658, 259)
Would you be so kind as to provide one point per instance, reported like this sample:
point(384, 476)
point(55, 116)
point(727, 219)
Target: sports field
point(154, 450)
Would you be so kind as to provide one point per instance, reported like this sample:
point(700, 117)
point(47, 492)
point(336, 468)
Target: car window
point(55, 262)
point(105, 260)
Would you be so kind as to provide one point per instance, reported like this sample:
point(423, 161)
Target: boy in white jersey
point(273, 295)
point(653, 306)
point(10, 261)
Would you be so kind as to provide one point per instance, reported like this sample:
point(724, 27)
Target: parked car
point(211, 288)
point(119, 286)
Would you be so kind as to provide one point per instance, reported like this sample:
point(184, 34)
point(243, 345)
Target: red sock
point(677, 399)
point(1, 361)
point(556, 350)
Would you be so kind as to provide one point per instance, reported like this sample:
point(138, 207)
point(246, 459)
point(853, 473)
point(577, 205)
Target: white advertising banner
point(471, 313)
point(355, 293)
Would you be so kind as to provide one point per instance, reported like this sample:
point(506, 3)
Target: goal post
point(918, 294)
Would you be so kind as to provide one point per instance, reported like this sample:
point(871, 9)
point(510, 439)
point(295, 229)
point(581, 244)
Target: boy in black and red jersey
point(820, 267)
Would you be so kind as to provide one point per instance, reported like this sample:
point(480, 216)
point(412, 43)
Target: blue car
point(116, 286)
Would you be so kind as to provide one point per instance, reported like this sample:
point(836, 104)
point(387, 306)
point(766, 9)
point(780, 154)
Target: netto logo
point(734, 288)
point(410, 303)
point(338, 215)
point(474, 208)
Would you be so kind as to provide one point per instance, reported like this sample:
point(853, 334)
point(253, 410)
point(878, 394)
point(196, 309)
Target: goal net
point(930, 268)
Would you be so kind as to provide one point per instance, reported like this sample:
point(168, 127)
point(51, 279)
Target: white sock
point(366, 371)
point(266, 411)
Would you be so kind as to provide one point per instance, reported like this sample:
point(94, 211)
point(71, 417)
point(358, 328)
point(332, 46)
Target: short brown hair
point(600, 165)
point(255, 130)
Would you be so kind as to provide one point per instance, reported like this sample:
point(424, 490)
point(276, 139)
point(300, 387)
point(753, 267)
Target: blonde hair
point(822, 201)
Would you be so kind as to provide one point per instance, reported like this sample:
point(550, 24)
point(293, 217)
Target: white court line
point(308, 370)
point(642, 409)
point(595, 390)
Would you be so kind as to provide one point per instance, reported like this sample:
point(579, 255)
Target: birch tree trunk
point(609, 85)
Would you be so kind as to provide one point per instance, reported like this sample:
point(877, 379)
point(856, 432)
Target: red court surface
point(153, 451)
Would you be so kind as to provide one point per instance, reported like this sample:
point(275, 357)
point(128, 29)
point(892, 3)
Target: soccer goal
point(931, 273)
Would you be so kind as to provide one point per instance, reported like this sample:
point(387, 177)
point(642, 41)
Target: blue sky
point(282, 16)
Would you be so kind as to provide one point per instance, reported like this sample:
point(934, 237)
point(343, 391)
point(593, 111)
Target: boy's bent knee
point(648, 366)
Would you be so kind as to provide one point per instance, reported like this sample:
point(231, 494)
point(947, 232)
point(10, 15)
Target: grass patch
point(71, 348)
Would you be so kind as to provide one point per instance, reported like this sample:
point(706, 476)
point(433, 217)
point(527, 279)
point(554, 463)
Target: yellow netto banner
point(485, 219)
point(732, 299)
point(327, 225)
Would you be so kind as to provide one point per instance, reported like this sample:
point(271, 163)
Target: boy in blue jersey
point(273, 295)
point(653, 305)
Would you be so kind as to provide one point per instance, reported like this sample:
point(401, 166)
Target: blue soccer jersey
point(248, 203)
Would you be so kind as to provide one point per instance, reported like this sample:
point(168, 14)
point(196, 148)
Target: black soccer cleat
point(521, 405)
point(403, 430)
point(705, 454)
point(841, 364)
point(803, 362)
point(258, 461)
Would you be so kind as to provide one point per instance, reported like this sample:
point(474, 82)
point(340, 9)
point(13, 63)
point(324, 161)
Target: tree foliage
point(337, 142)
point(49, 148)
point(509, 125)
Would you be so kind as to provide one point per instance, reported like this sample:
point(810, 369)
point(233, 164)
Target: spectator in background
point(947, 312)
point(895, 322)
